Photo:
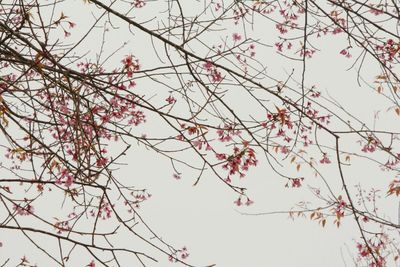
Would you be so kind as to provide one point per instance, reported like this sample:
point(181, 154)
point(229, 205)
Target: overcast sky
point(203, 218)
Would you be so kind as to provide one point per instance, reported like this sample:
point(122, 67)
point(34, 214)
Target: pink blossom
point(139, 3)
point(170, 258)
point(238, 202)
point(220, 156)
point(131, 84)
point(71, 24)
point(296, 182)
point(249, 202)
point(236, 37)
point(170, 99)
point(184, 255)
point(208, 147)
point(216, 76)
point(208, 65)
point(69, 181)
point(281, 28)
point(325, 159)
point(198, 144)
point(284, 149)
point(24, 211)
point(101, 162)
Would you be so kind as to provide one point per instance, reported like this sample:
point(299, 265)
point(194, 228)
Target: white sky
point(203, 217)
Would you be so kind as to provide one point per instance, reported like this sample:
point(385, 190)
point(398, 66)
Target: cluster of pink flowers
point(239, 13)
point(94, 118)
point(139, 196)
point(281, 27)
point(227, 133)
point(283, 44)
point(101, 162)
point(105, 211)
point(392, 162)
point(200, 143)
point(24, 210)
point(371, 145)
point(139, 3)
point(65, 177)
point(130, 65)
point(62, 226)
point(239, 162)
point(377, 246)
point(307, 52)
point(288, 13)
point(239, 201)
point(214, 73)
point(63, 20)
point(338, 210)
point(325, 159)
point(376, 9)
point(294, 182)
point(263, 7)
point(218, 6)
point(389, 50)
point(170, 99)
point(183, 254)
point(345, 52)
point(314, 114)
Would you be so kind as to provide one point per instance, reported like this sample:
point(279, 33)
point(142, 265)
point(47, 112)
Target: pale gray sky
point(203, 218)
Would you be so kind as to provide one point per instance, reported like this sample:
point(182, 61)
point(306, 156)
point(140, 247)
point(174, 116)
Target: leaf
point(293, 159)
point(38, 57)
point(397, 111)
point(5, 121)
point(298, 167)
point(334, 13)
point(323, 222)
point(381, 77)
